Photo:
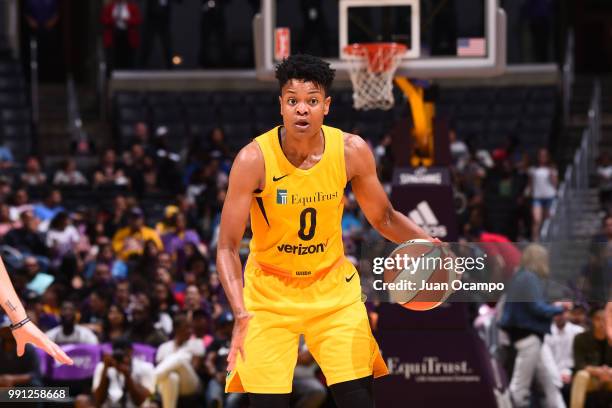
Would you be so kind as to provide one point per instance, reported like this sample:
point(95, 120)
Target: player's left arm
point(361, 172)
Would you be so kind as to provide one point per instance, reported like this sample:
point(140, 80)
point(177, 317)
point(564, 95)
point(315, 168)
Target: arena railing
point(568, 75)
point(102, 79)
point(34, 81)
point(566, 207)
point(75, 123)
point(9, 24)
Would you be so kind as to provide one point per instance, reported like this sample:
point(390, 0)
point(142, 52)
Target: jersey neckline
point(278, 147)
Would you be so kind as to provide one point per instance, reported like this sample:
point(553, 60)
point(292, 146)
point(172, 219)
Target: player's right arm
point(246, 176)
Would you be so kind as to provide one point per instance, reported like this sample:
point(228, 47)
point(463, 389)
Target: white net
point(371, 70)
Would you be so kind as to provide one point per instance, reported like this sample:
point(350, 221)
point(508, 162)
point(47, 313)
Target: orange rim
point(379, 55)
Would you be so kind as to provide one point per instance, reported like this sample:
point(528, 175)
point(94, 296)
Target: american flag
point(471, 47)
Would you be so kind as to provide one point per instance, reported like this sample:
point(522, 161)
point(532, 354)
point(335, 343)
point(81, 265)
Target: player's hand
point(239, 333)
point(29, 333)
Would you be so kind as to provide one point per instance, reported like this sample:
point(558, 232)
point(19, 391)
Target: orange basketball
point(420, 277)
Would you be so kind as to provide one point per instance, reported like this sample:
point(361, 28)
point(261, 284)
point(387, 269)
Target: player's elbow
point(383, 219)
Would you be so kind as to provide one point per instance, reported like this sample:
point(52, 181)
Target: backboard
point(444, 38)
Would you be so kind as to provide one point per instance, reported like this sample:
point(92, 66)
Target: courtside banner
point(437, 368)
point(421, 275)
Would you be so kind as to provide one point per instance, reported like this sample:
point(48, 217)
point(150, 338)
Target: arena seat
point(266, 113)
point(128, 99)
point(235, 114)
point(165, 99)
point(132, 114)
point(14, 116)
point(166, 113)
point(85, 357)
point(507, 110)
point(194, 98)
point(12, 99)
point(227, 98)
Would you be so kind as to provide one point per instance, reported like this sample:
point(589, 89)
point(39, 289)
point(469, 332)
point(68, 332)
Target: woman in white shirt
point(543, 180)
point(68, 175)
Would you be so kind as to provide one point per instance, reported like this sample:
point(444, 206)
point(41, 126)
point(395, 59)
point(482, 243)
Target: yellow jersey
point(296, 219)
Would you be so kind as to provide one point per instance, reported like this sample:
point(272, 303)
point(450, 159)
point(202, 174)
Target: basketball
point(420, 274)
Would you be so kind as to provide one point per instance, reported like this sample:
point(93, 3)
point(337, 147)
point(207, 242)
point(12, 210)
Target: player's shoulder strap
point(266, 142)
point(334, 141)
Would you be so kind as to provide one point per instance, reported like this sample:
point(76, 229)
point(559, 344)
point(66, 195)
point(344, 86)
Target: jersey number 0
point(306, 236)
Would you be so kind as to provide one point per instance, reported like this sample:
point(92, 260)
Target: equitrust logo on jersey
point(281, 196)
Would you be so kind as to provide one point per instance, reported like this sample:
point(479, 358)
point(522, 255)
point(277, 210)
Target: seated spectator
point(202, 327)
point(166, 225)
point(95, 309)
point(175, 241)
point(62, 238)
point(130, 240)
point(593, 364)
point(117, 216)
point(216, 365)
point(149, 175)
point(115, 324)
point(120, 380)
point(101, 278)
point(20, 202)
point(37, 281)
point(560, 341)
point(604, 175)
point(134, 164)
point(6, 224)
point(17, 371)
point(109, 173)
point(579, 316)
point(36, 311)
point(141, 136)
point(69, 331)
point(6, 158)
point(307, 389)
point(142, 329)
point(194, 260)
point(68, 175)
point(50, 206)
point(193, 300)
point(106, 256)
point(6, 188)
point(33, 175)
point(164, 303)
point(148, 262)
point(27, 239)
point(178, 361)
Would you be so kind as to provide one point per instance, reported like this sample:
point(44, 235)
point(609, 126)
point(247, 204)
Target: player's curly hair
point(306, 68)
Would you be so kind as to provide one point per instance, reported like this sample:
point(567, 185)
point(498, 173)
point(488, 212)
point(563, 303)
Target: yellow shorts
point(327, 310)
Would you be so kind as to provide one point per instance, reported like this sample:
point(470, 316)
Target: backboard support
point(419, 62)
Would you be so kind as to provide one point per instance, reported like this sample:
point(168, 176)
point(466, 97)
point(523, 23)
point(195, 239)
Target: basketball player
point(22, 328)
point(297, 280)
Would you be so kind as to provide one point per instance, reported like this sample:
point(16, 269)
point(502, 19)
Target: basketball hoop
point(371, 67)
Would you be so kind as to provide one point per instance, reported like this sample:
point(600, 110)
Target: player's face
point(303, 107)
